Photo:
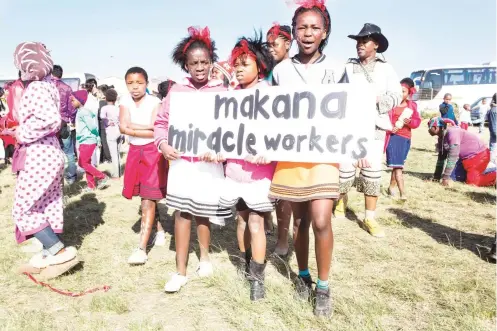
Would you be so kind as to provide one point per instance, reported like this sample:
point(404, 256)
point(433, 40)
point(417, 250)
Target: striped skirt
point(299, 182)
point(254, 195)
point(195, 188)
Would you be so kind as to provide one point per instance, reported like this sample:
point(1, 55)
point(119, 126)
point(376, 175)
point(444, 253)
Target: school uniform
point(385, 81)
point(145, 173)
point(247, 185)
point(303, 181)
point(193, 186)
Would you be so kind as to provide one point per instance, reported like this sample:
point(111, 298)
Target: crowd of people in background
point(90, 125)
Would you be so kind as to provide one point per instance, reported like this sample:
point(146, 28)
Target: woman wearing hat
point(369, 68)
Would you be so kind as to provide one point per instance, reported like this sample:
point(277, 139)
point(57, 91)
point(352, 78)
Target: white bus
point(466, 83)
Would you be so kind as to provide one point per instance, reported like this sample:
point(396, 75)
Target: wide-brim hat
point(373, 31)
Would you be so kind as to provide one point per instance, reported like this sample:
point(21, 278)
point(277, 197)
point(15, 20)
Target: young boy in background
point(466, 117)
point(88, 138)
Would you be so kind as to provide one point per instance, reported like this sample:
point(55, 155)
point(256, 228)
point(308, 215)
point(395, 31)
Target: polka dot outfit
point(38, 195)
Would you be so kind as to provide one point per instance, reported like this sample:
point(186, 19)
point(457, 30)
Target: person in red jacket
point(399, 141)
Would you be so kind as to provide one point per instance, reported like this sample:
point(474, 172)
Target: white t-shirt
point(465, 116)
point(292, 72)
point(141, 115)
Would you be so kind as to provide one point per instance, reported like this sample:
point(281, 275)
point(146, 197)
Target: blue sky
point(107, 37)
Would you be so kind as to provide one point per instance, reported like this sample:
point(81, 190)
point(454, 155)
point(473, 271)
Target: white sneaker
point(175, 283)
point(138, 257)
point(205, 269)
point(160, 239)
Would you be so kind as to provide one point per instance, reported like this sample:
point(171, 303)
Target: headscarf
point(33, 60)
point(440, 122)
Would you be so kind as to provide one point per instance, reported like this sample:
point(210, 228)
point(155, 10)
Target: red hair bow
point(240, 50)
point(312, 3)
point(275, 31)
point(199, 34)
point(411, 90)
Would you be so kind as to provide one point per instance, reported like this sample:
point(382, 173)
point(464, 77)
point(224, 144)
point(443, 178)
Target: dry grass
point(427, 274)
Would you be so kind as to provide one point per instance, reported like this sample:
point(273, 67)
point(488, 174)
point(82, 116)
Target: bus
point(466, 84)
point(416, 77)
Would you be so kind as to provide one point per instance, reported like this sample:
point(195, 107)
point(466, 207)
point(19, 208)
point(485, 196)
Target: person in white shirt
point(368, 68)
point(483, 109)
point(110, 115)
point(465, 118)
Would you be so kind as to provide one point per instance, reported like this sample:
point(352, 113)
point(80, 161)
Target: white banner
point(308, 123)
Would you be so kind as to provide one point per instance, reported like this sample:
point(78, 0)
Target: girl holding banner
point(310, 187)
point(370, 69)
point(247, 181)
point(193, 187)
point(279, 38)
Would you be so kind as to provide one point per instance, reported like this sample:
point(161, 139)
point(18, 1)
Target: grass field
point(429, 273)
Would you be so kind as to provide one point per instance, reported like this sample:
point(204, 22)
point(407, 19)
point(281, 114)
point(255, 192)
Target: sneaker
point(160, 239)
point(205, 269)
point(374, 229)
point(303, 287)
point(175, 283)
point(322, 303)
point(103, 183)
point(138, 257)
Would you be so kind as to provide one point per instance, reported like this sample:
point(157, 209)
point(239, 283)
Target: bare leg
point(147, 222)
point(204, 237)
point(182, 228)
point(240, 231)
point(370, 202)
point(301, 226)
point(283, 215)
point(393, 181)
point(258, 237)
point(320, 213)
point(399, 178)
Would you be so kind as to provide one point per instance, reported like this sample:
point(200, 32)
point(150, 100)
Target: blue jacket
point(447, 111)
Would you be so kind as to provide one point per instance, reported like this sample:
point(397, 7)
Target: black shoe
point(303, 287)
point(322, 303)
point(256, 279)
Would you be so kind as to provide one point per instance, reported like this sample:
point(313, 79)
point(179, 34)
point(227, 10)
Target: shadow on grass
point(481, 197)
point(419, 175)
point(425, 150)
point(81, 218)
point(162, 218)
point(446, 235)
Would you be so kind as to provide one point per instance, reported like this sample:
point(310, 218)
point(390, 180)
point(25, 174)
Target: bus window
point(433, 79)
point(72, 82)
point(416, 76)
point(454, 77)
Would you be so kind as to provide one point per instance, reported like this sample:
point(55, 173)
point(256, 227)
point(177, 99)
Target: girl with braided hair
point(310, 187)
point(247, 181)
point(194, 185)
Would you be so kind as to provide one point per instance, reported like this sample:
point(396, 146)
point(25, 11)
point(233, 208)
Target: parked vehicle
point(476, 118)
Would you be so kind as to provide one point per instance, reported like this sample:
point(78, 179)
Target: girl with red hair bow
point(247, 182)
point(311, 187)
point(193, 187)
point(404, 118)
